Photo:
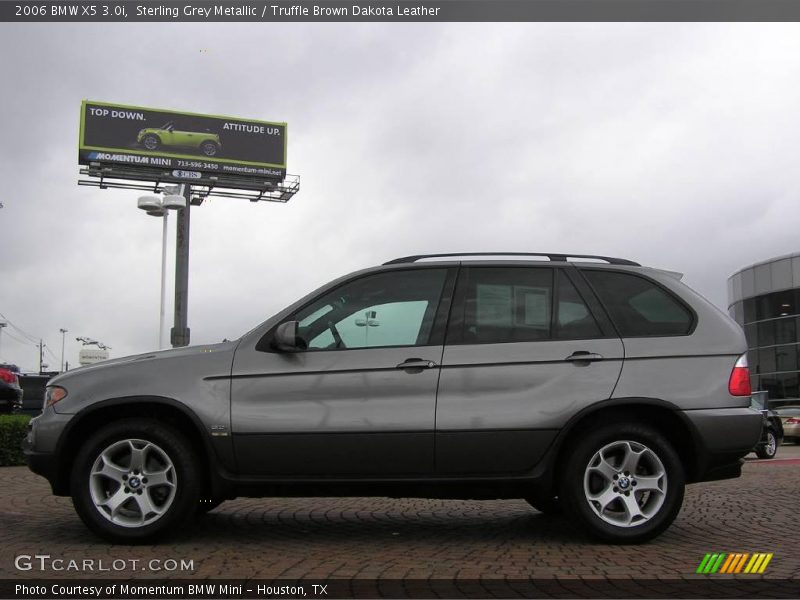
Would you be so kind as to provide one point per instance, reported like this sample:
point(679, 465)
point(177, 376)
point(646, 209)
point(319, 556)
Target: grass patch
point(13, 429)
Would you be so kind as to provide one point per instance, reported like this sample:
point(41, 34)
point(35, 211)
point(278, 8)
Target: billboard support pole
point(180, 332)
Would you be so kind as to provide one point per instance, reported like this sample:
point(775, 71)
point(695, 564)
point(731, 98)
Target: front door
point(361, 401)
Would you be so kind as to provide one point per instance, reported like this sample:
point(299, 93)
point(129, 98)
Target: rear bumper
point(725, 436)
point(10, 400)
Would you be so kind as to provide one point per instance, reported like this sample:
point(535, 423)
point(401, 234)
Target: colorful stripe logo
point(735, 562)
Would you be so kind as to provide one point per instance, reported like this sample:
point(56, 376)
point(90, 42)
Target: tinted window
point(780, 386)
point(751, 333)
point(396, 308)
point(573, 319)
point(749, 310)
point(786, 358)
point(776, 304)
point(766, 333)
point(506, 304)
point(638, 306)
point(785, 331)
point(766, 360)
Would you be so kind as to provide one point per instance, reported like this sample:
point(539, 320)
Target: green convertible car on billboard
point(153, 138)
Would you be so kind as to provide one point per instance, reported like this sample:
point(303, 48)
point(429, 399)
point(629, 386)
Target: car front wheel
point(135, 480)
point(624, 482)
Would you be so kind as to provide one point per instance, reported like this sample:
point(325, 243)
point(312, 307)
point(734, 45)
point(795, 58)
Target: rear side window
point(638, 306)
point(516, 304)
point(507, 305)
point(573, 320)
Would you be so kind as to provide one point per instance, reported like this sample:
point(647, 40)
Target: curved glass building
point(764, 299)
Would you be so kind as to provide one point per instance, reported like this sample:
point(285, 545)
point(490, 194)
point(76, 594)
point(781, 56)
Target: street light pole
point(180, 332)
point(163, 281)
point(63, 333)
point(160, 207)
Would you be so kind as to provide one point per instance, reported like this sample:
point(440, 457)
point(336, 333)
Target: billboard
point(145, 143)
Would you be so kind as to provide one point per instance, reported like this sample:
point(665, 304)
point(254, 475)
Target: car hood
point(145, 357)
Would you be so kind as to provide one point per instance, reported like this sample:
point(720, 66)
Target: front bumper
point(40, 447)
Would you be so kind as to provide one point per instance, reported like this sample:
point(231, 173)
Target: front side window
point(638, 306)
point(395, 308)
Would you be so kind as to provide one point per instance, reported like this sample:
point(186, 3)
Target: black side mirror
point(287, 339)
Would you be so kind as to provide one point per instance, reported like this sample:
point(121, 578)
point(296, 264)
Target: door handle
point(584, 356)
point(416, 363)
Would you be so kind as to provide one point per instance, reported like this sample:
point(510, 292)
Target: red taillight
point(792, 421)
point(739, 383)
point(8, 376)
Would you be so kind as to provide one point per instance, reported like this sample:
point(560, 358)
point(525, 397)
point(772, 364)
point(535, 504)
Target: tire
point(151, 142)
point(615, 507)
point(770, 448)
point(134, 481)
point(549, 505)
point(209, 148)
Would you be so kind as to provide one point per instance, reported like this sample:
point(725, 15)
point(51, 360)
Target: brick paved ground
point(379, 537)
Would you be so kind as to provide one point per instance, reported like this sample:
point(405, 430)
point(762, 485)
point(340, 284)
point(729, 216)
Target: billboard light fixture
point(150, 204)
point(174, 202)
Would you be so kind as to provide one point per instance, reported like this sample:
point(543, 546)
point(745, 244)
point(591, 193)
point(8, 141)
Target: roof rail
point(555, 257)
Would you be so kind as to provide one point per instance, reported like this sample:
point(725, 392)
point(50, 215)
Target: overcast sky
point(675, 145)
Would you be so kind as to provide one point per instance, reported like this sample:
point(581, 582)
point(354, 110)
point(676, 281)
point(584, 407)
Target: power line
point(18, 340)
point(32, 338)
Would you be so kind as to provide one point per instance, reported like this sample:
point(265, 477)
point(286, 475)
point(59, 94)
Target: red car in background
point(10, 390)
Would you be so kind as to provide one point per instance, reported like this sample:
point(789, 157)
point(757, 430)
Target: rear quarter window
point(638, 306)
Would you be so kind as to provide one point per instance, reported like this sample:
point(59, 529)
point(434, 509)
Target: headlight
point(53, 394)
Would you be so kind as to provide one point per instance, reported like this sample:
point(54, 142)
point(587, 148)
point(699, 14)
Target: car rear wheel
point(151, 142)
point(770, 448)
point(135, 480)
point(624, 482)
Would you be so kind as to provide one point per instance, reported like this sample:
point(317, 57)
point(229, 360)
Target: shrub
point(13, 429)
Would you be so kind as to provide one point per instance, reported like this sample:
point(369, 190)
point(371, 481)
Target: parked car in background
point(10, 390)
point(33, 388)
point(583, 383)
point(771, 427)
point(790, 419)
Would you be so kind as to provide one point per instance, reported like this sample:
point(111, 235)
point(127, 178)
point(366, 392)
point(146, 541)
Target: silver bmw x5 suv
point(583, 384)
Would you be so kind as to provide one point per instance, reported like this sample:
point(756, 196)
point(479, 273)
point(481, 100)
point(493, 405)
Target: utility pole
point(41, 357)
point(2, 324)
point(179, 336)
point(63, 333)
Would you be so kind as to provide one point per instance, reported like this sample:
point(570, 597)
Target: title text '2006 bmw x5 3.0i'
point(590, 385)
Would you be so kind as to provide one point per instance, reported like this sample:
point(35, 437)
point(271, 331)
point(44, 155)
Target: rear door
point(527, 347)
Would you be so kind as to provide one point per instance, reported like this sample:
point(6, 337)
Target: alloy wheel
point(625, 483)
point(132, 483)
